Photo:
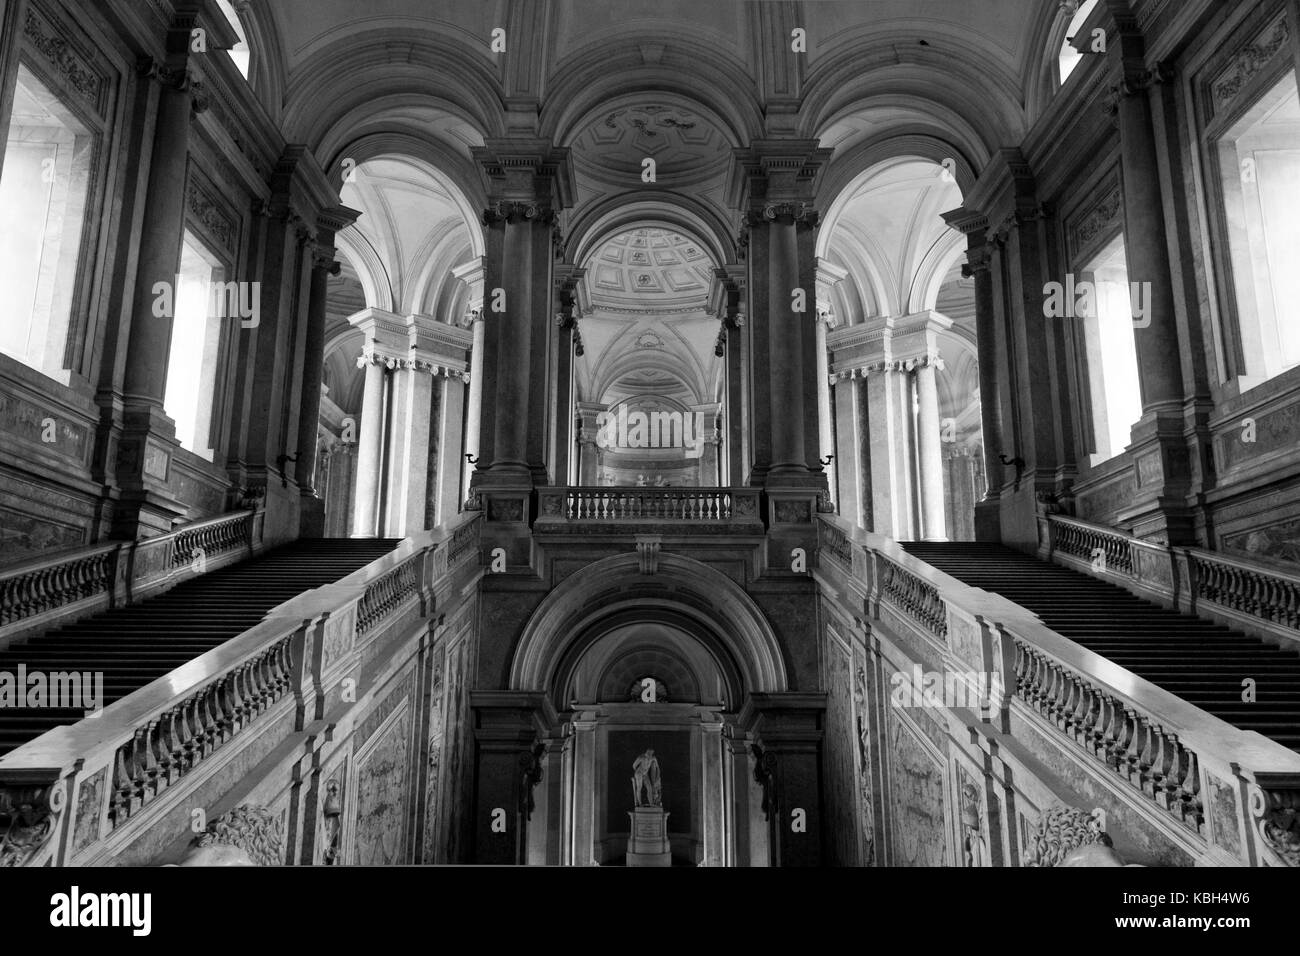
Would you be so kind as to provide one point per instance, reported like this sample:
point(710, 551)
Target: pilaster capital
point(979, 260)
point(526, 170)
point(771, 174)
point(514, 211)
point(173, 76)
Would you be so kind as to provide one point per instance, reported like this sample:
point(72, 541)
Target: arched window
point(241, 53)
point(1070, 57)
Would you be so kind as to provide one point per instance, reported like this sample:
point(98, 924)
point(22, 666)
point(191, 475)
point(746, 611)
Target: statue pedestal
point(648, 843)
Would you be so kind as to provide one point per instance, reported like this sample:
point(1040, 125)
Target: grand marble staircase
point(1202, 662)
point(134, 645)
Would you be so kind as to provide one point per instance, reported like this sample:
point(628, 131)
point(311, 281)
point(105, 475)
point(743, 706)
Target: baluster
point(1145, 761)
point(139, 767)
point(1188, 793)
point(121, 804)
point(1114, 739)
point(1165, 770)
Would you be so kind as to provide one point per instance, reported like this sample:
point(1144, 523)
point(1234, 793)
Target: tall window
point(1070, 57)
point(1259, 158)
point(196, 347)
point(43, 193)
point(1112, 351)
point(240, 54)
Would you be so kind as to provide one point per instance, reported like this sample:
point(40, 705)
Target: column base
point(988, 521)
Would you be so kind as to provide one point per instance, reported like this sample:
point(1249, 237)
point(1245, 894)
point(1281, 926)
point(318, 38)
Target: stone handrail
point(36, 587)
point(147, 742)
point(1237, 585)
point(606, 504)
point(1144, 736)
point(1093, 543)
point(1256, 597)
point(108, 574)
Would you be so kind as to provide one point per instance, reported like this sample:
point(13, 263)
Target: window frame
point(1208, 131)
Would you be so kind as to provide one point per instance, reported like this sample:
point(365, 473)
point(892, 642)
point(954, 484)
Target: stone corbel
point(647, 547)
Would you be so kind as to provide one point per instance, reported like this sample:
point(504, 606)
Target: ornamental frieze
point(73, 70)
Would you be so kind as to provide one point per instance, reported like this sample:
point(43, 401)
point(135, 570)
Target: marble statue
point(246, 836)
point(646, 781)
point(1069, 837)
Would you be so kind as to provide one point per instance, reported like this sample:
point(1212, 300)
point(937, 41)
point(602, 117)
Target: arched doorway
point(626, 656)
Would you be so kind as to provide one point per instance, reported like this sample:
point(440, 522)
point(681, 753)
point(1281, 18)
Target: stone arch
point(657, 209)
point(340, 79)
point(958, 87)
point(451, 171)
point(848, 170)
point(684, 592)
point(266, 69)
point(718, 86)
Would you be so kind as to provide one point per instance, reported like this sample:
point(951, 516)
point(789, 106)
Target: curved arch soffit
point(932, 271)
point(573, 614)
point(658, 210)
point(591, 80)
point(443, 166)
point(692, 379)
point(359, 70)
point(938, 77)
point(860, 166)
point(267, 74)
point(369, 267)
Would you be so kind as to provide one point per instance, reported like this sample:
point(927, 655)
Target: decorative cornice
point(931, 360)
point(412, 363)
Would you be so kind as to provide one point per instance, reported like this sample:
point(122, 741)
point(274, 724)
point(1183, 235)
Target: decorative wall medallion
point(1224, 815)
point(506, 509)
point(793, 512)
point(381, 796)
point(90, 805)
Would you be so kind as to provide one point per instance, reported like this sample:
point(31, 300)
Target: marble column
point(978, 263)
point(474, 400)
point(528, 183)
point(728, 290)
point(323, 265)
point(889, 398)
point(369, 450)
point(407, 474)
point(471, 274)
point(930, 452)
point(712, 791)
point(583, 832)
point(450, 442)
point(566, 339)
point(1159, 439)
point(825, 420)
point(180, 96)
point(775, 186)
point(849, 466)
point(1146, 246)
point(147, 506)
point(588, 414)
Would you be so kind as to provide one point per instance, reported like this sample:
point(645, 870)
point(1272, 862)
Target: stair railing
point(84, 792)
point(38, 594)
point(1187, 765)
point(1232, 589)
